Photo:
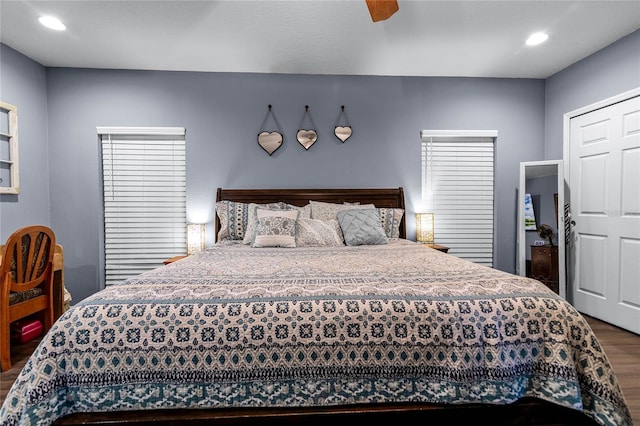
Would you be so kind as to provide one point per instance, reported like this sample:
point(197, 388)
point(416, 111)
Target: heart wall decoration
point(270, 141)
point(307, 137)
point(343, 131)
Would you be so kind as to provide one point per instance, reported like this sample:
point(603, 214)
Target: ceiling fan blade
point(382, 9)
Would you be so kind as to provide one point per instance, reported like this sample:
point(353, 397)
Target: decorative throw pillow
point(390, 220)
point(275, 228)
point(318, 233)
point(250, 230)
point(234, 219)
point(361, 227)
point(327, 211)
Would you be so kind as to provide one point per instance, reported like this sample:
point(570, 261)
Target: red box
point(25, 330)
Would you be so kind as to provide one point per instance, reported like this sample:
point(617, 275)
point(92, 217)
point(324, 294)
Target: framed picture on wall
point(529, 214)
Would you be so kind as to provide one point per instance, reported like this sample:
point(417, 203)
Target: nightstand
point(173, 259)
point(438, 247)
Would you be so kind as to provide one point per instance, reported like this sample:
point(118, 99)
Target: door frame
point(566, 154)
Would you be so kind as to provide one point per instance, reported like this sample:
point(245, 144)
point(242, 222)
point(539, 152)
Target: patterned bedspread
point(257, 327)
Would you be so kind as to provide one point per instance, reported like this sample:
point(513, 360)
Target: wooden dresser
point(544, 265)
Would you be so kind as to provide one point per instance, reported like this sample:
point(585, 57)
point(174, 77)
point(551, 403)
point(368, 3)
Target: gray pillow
point(361, 227)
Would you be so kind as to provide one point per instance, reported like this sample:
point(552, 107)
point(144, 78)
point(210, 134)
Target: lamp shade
point(195, 237)
point(424, 227)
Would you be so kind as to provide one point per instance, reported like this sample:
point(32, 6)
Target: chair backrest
point(28, 252)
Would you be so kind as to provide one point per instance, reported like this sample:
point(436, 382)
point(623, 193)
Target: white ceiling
point(424, 38)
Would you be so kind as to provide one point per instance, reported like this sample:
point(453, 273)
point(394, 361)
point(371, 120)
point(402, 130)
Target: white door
point(604, 182)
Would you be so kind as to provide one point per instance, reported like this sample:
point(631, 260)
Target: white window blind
point(144, 187)
point(458, 187)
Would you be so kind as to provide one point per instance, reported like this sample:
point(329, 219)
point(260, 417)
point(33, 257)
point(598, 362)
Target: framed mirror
point(542, 183)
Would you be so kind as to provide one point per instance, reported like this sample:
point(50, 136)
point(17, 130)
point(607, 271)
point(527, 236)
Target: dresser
point(544, 265)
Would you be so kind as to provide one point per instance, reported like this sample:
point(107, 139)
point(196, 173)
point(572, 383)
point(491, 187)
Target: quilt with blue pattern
point(236, 326)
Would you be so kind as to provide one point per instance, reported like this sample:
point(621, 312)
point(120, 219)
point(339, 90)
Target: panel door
point(605, 210)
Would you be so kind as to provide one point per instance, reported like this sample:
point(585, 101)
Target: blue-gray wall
point(608, 72)
point(23, 83)
point(223, 114)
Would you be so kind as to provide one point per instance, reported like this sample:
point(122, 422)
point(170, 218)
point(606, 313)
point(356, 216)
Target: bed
point(366, 330)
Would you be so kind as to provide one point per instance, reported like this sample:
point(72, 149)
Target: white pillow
point(305, 211)
point(275, 228)
point(318, 233)
point(327, 211)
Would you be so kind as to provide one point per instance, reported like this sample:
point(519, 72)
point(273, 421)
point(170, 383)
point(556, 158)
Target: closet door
point(605, 206)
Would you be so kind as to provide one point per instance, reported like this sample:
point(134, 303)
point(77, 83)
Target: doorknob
point(573, 222)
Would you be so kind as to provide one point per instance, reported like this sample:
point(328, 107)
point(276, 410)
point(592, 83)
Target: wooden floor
point(622, 349)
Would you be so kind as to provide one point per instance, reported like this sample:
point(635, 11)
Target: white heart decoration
point(307, 138)
point(343, 132)
point(270, 141)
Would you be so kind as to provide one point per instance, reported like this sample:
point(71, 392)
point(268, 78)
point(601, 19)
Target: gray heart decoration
point(270, 141)
point(307, 138)
point(343, 132)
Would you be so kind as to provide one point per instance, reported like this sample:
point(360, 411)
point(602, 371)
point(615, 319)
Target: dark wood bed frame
point(528, 411)
point(380, 197)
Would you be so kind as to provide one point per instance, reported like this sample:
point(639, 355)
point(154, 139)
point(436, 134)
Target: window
point(144, 189)
point(9, 176)
point(458, 187)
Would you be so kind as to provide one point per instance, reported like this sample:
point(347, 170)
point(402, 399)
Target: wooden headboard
point(380, 197)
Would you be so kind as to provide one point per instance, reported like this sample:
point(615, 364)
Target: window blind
point(144, 191)
point(458, 187)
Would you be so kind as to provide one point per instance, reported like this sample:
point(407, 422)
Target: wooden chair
point(26, 282)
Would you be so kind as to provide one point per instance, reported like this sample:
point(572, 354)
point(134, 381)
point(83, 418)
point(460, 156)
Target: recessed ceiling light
point(53, 23)
point(537, 38)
